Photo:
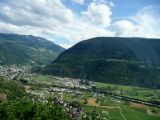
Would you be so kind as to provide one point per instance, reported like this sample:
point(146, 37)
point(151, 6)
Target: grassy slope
point(10, 90)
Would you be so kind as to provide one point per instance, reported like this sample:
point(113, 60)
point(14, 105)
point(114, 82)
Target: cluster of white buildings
point(10, 71)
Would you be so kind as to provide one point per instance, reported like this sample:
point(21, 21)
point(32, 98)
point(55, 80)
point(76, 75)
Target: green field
point(132, 91)
point(113, 109)
point(123, 111)
point(38, 78)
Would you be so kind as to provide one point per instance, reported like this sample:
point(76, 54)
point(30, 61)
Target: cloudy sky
point(67, 22)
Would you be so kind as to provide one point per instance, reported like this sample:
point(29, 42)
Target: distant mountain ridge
point(127, 61)
point(27, 49)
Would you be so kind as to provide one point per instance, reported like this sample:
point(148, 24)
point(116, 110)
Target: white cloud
point(104, 2)
point(35, 12)
point(149, 20)
point(53, 20)
point(84, 30)
point(124, 28)
point(79, 1)
point(144, 24)
point(111, 4)
point(99, 2)
point(99, 14)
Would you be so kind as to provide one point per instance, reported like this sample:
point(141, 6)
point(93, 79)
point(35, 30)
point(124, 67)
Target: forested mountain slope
point(27, 49)
point(127, 61)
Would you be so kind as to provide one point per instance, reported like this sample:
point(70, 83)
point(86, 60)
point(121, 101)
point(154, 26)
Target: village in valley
point(82, 99)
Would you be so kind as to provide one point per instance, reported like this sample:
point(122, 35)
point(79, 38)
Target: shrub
point(27, 110)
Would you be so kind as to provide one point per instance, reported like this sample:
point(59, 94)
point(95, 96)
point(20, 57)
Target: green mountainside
point(27, 49)
point(127, 61)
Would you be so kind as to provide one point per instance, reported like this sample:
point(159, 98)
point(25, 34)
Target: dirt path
point(136, 105)
point(121, 112)
point(109, 107)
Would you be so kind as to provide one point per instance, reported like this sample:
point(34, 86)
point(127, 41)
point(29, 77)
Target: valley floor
point(80, 100)
point(100, 105)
